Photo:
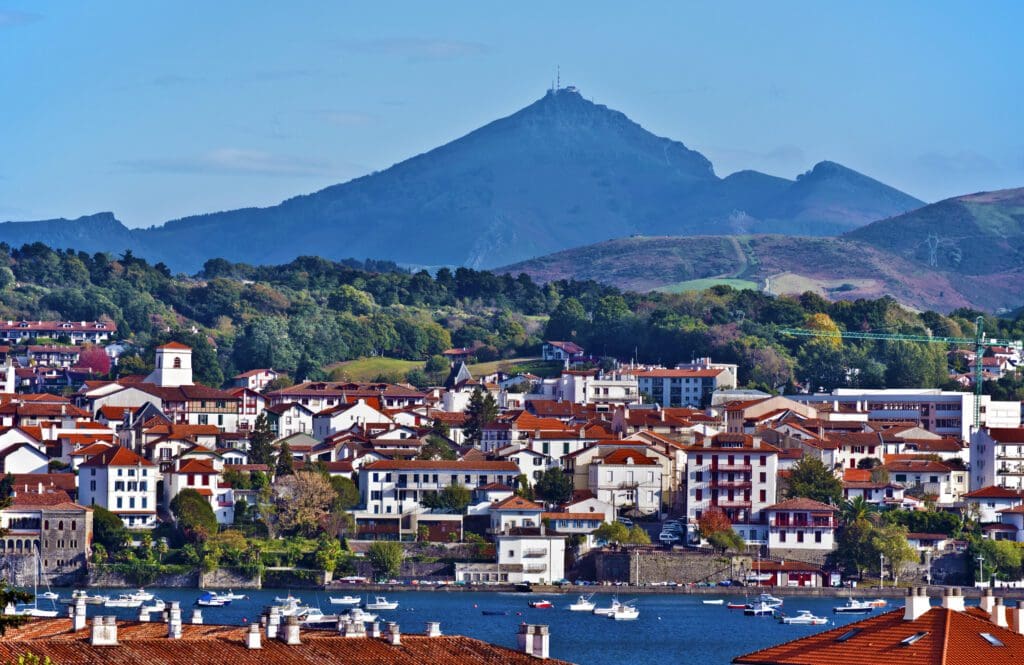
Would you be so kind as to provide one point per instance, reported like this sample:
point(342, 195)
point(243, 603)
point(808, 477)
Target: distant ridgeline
point(556, 174)
point(305, 316)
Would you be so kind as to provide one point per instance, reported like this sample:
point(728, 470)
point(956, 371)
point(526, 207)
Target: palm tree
point(855, 509)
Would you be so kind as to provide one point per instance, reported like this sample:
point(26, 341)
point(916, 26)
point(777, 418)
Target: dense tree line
point(304, 315)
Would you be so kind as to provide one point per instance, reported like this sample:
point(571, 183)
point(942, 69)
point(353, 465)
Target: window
point(698, 494)
point(763, 477)
point(763, 496)
point(177, 363)
point(782, 536)
point(817, 536)
point(799, 536)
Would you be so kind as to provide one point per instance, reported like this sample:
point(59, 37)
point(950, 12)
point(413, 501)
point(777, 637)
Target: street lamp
point(981, 570)
point(881, 570)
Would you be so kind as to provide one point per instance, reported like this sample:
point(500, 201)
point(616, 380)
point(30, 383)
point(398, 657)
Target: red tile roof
point(441, 465)
point(209, 643)
point(517, 503)
point(627, 456)
point(199, 466)
point(175, 345)
point(116, 456)
point(945, 637)
point(801, 503)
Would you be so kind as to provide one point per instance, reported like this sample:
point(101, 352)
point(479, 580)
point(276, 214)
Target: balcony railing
point(733, 503)
point(535, 568)
point(534, 554)
point(730, 484)
point(731, 467)
point(801, 525)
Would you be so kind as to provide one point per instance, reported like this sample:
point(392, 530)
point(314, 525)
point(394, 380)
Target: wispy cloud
point(417, 48)
point(231, 161)
point(10, 18)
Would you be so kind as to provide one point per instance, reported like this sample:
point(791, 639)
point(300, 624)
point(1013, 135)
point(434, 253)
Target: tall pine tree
point(482, 409)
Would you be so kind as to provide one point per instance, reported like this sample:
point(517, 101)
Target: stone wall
point(641, 566)
point(412, 570)
point(18, 570)
point(228, 578)
point(102, 577)
point(817, 557)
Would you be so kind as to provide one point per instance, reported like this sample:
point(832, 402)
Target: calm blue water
point(671, 628)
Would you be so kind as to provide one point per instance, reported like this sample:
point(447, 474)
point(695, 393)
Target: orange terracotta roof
point(199, 466)
point(801, 503)
point(441, 465)
point(517, 503)
point(627, 456)
point(175, 345)
point(944, 637)
point(148, 643)
point(116, 456)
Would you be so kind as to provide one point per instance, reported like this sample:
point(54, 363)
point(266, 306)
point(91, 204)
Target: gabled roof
point(517, 503)
point(1007, 434)
point(939, 637)
point(199, 466)
point(917, 466)
point(627, 456)
point(440, 465)
point(176, 346)
point(994, 492)
point(116, 456)
point(800, 503)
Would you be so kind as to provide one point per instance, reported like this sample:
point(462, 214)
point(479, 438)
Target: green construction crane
point(980, 342)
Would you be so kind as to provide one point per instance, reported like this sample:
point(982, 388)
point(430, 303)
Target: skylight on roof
point(993, 640)
point(907, 641)
point(847, 635)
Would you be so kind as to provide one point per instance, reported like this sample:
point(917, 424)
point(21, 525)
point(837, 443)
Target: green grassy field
point(707, 283)
point(368, 369)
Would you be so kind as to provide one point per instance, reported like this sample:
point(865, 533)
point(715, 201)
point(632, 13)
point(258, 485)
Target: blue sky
point(157, 110)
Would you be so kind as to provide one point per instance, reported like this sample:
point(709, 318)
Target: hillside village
point(540, 474)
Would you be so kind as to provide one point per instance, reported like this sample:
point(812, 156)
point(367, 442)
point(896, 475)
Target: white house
point(23, 457)
point(398, 486)
point(122, 482)
point(201, 476)
point(537, 558)
point(254, 379)
point(346, 416)
point(627, 479)
point(530, 462)
point(513, 513)
point(945, 482)
point(987, 502)
point(801, 524)
point(997, 457)
point(289, 418)
point(567, 352)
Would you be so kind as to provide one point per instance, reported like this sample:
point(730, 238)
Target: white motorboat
point(209, 600)
point(231, 595)
point(625, 613)
point(156, 606)
point(381, 603)
point(287, 599)
point(309, 616)
point(346, 600)
point(759, 609)
point(290, 606)
point(768, 599)
point(49, 595)
point(583, 604)
point(358, 614)
point(89, 600)
point(124, 600)
point(854, 606)
point(141, 594)
point(717, 601)
point(608, 611)
point(803, 618)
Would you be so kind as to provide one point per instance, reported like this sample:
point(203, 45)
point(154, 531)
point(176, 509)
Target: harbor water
point(671, 628)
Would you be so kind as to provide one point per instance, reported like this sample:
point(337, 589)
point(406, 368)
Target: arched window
point(60, 525)
point(177, 363)
point(73, 523)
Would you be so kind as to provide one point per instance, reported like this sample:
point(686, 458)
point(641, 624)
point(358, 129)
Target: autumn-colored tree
point(95, 358)
point(712, 521)
point(823, 323)
point(303, 501)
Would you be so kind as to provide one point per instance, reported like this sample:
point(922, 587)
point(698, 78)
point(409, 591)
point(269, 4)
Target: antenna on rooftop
point(558, 77)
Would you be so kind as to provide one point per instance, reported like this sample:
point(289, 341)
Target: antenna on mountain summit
point(558, 77)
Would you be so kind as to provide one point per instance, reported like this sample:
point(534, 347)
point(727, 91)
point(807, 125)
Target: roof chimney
point(252, 638)
point(197, 616)
point(104, 632)
point(917, 603)
point(78, 615)
point(1017, 623)
point(987, 602)
point(392, 636)
point(353, 629)
point(433, 629)
point(998, 614)
point(174, 620)
point(953, 599)
point(290, 635)
point(375, 629)
point(534, 640)
point(273, 622)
